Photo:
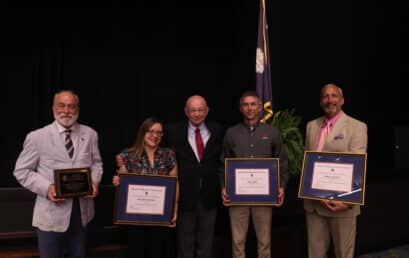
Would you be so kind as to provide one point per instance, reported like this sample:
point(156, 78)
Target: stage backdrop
point(128, 63)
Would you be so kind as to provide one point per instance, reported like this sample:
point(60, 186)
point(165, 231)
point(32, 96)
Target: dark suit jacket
point(198, 181)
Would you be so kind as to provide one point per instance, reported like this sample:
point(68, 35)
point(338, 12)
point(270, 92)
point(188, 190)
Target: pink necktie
point(199, 143)
point(324, 133)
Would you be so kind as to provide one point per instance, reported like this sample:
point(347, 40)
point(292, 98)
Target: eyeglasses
point(156, 133)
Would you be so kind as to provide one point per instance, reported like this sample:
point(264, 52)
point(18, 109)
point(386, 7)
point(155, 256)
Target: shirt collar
point(192, 127)
point(251, 128)
point(61, 129)
point(331, 120)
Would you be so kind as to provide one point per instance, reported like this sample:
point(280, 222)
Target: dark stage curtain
point(128, 63)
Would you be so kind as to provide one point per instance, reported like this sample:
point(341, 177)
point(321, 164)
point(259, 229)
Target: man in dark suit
point(198, 145)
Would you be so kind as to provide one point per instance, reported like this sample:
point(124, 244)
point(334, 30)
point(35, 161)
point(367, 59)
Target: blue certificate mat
point(145, 200)
point(252, 181)
point(333, 176)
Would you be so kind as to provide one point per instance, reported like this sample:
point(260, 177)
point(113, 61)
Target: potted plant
point(288, 123)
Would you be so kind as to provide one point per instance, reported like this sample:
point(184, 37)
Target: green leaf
point(289, 125)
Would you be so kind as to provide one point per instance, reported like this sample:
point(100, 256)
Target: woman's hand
point(115, 180)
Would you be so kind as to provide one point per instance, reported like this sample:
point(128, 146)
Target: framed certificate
point(72, 182)
point(333, 176)
point(252, 181)
point(145, 200)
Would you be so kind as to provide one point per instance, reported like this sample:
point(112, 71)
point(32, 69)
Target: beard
point(66, 120)
point(331, 109)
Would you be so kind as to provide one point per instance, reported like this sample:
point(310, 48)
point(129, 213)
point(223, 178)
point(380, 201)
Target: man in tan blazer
point(333, 132)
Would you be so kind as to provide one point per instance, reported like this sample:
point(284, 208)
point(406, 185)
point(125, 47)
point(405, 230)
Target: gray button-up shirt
point(260, 141)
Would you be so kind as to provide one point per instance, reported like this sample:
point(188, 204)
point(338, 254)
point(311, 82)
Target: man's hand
point(119, 160)
point(121, 164)
point(174, 218)
point(281, 196)
point(94, 192)
point(225, 197)
point(335, 206)
point(51, 194)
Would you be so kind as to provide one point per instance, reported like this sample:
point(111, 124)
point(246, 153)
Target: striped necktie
point(68, 143)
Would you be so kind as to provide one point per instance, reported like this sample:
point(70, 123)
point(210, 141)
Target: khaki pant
point(239, 220)
point(321, 229)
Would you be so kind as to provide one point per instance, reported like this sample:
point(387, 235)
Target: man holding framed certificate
point(334, 132)
point(251, 141)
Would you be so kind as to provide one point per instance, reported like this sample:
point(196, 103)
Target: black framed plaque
point(72, 182)
point(145, 200)
point(333, 176)
point(252, 181)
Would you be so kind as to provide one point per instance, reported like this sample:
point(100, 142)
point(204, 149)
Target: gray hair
point(77, 99)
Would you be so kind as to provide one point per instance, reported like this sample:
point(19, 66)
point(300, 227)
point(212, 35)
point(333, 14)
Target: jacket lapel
point(316, 133)
point(58, 142)
point(187, 146)
point(80, 142)
point(339, 125)
point(210, 141)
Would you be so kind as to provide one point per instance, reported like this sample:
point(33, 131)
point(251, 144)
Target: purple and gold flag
point(263, 75)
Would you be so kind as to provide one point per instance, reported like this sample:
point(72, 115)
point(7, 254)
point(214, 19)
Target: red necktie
point(199, 143)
